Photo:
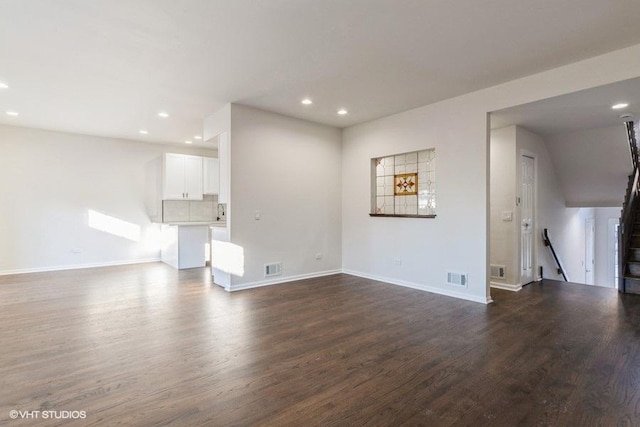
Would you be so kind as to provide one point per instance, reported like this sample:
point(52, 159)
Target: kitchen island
point(186, 244)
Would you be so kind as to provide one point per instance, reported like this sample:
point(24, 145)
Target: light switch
point(257, 216)
point(507, 216)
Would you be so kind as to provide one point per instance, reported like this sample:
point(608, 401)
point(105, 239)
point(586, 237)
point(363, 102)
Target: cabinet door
point(173, 177)
point(211, 180)
point(193, 177)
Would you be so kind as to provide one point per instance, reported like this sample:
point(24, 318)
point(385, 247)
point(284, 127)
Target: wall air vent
point(458, 279)
point(498, 271)
point(272, 269)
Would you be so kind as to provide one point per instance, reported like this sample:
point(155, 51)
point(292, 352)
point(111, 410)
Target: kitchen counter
point(195, 223)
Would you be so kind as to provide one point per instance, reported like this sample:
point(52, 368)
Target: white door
point(589, 250)
point(527, 219)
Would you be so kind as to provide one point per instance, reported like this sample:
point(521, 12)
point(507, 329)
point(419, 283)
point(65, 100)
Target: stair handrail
point(547, 242)
point(633, 143)
point(629, 204)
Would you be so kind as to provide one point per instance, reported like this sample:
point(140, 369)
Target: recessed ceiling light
point(11, 113)
point(619, 106)
point(197, 137)
point(187, 142)
point(4, 85)
point(342, 111)
point(163, 114)
point(143, 131)
point(306, 101)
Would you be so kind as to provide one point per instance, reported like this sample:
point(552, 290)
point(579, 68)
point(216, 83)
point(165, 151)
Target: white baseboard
point(280, 279)
point(412, 285)
point(506, 286)
point(76, 266)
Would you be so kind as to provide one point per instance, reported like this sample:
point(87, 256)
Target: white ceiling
point(106, 67)
point(587, 109)
point(592, 165)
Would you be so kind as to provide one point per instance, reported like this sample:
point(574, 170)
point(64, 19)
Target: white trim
point(77, 266)
point(279, 280)
point(412, 285)
point(507, 286)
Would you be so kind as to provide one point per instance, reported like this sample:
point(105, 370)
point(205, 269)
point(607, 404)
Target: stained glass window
point(404, 184)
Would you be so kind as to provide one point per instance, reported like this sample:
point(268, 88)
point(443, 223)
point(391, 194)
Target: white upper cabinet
point(211, 178)
point(182, 177)
point(193, 177)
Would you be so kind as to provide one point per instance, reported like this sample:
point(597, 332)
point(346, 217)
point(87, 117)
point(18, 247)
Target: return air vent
point(497, 271)
point(272, 269)
point(458, 279)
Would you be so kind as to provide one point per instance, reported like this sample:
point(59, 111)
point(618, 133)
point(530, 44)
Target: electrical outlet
point(397, 262)
point(319, 255)
point(76, 250)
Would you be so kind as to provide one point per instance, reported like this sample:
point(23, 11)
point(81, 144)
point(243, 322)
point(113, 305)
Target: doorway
point(589, 250)
point(527, 223)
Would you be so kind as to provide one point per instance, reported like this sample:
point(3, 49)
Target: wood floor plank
point(148, 345)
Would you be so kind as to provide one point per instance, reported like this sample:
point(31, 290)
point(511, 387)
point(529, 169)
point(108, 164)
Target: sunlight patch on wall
point(227, 257)
point(152, 238)
point(114, 226)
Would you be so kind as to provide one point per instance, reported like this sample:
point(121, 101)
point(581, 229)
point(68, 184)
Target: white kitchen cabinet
point(211, 176)
point(182, 177)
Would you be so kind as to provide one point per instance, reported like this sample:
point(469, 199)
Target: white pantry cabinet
point(211, 175)
point(182, 177)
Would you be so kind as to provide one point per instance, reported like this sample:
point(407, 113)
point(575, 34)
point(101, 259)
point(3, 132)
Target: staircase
point(632, 259)
point(629, 230)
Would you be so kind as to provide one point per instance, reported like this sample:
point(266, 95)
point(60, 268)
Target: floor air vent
point(458, 279)
point(497, 271)
point(272, 269)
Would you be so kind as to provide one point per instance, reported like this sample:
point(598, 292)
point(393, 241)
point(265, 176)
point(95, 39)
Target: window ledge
point(402, 216)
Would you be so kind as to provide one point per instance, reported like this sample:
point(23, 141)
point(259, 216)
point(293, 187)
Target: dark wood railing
point(547, 242)
point(633, 143)
point(628, 207)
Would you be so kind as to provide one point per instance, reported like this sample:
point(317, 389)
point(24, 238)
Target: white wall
point(504, 236)
point(457, 129)
point(604, 261)
point(290, 171)
point(593, 165)
point(456, 240)
point(50, 180)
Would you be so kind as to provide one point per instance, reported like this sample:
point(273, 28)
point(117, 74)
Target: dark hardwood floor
point(148, 345)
